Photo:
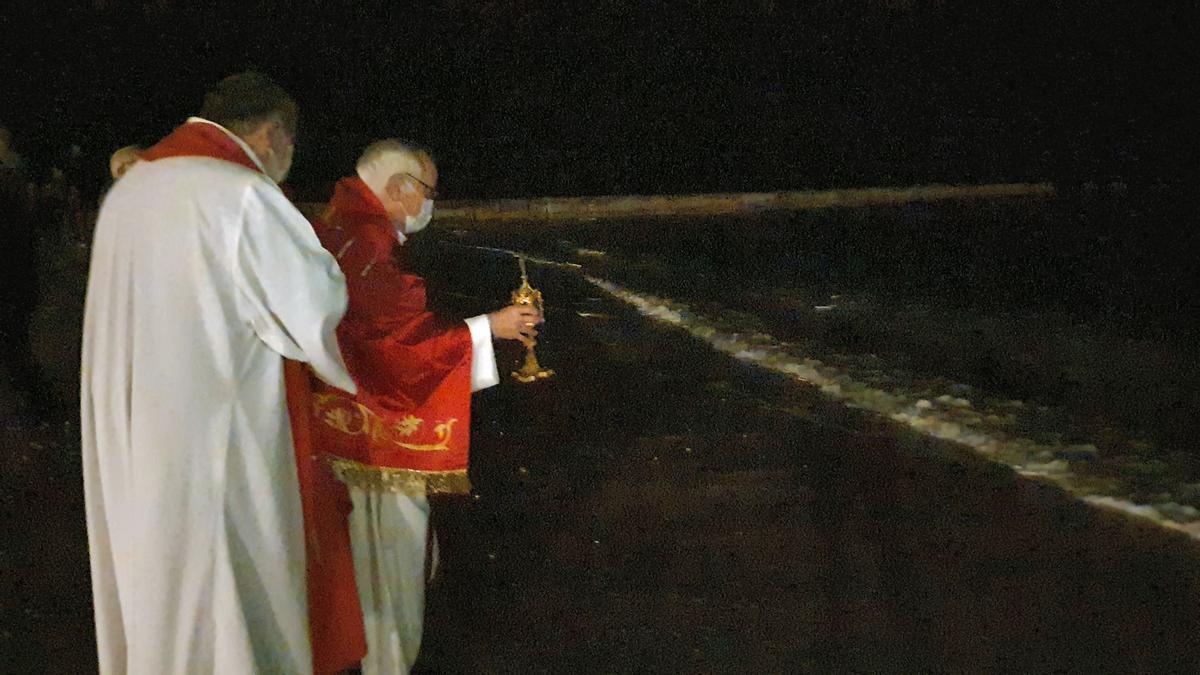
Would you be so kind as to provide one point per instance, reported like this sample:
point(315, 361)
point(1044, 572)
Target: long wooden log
point(466, 213)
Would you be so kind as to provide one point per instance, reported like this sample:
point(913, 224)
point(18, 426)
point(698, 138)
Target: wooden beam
point(465, 213)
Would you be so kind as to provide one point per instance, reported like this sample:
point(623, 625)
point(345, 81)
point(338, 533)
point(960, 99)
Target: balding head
point(401, 175)
point(384, 159)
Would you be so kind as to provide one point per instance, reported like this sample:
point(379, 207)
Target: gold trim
point(405, 481)
point(355, 419)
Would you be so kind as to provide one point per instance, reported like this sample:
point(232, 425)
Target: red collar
point(201, 139)
point(355, 205)
point(353, 198)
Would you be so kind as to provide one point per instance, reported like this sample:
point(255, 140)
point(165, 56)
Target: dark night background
point(557, 98)
point(780, 532)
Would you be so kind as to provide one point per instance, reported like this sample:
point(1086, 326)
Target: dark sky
point(606, 96)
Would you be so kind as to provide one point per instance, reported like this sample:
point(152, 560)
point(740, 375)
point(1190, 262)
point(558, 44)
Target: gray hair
point(388, 157)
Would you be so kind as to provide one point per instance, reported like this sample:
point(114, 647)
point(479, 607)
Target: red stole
point(200, 139)
point(413, 368)
point(335, 618)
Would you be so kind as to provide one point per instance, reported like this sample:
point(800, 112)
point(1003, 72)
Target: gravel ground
point(659, 507)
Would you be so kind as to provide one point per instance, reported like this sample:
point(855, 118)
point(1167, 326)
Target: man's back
point(164, 242)
point(203, 276)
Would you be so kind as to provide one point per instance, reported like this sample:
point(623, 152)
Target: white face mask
point(413, 224)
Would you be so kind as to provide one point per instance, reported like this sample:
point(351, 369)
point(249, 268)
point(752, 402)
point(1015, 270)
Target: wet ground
point(1058, 337)
point(661, 507)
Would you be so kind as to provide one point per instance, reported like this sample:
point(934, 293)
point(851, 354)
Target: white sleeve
point(484, 373)
point(290, 289)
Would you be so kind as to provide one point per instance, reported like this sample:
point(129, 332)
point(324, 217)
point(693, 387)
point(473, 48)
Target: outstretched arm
point(290, 288)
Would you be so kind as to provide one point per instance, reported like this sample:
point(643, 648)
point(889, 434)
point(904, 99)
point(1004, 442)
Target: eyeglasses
point(430, 191)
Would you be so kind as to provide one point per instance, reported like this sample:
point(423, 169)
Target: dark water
point(1066, 328)
point(1124, 261)
point(662, 507)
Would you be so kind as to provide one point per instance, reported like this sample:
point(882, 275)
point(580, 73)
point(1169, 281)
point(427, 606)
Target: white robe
point(388, 534)
point(203, 277)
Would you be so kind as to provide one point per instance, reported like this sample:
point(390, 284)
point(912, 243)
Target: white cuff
point(484, 373)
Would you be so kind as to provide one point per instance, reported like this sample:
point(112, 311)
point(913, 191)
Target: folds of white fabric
point(202, 277)
point(388, 533)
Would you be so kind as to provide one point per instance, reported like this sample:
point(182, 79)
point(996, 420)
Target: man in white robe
point(203, 279)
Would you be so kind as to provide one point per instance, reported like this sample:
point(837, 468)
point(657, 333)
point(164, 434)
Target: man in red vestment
point(406, 432)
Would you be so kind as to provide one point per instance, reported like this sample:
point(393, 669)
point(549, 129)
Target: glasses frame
point(430, 191)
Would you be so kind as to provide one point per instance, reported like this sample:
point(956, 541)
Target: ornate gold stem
point(528, 295)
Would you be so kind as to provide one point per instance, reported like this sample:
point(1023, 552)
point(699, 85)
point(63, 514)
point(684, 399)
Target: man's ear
point(259, 140)
point(394, 188)
point(275, 134)
point(262, 133)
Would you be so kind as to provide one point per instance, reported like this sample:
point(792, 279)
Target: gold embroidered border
point(355, 419)
point(406, 481)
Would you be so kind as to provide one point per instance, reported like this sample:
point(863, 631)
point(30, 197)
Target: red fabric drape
point(339, 641)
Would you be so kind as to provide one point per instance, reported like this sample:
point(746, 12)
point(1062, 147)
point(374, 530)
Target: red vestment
point(407, 428)
point(412, 412)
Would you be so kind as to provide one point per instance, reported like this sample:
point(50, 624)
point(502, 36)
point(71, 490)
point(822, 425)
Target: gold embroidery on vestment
point(355, 419)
